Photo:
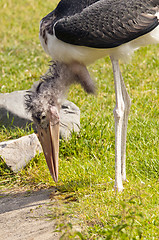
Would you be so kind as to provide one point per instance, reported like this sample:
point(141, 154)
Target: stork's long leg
point(127, 103)
point(119, 117)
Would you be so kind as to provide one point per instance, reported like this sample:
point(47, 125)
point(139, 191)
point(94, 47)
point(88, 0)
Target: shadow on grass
point(73, 186)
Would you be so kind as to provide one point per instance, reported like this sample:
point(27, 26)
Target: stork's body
point(80, 32)
point(84, 31)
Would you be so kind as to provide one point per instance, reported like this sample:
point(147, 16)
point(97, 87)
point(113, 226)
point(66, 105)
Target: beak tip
point(55, 178)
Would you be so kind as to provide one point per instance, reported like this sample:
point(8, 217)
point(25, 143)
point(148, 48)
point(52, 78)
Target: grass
point(85, 194)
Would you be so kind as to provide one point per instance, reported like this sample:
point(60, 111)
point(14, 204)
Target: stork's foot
point(124, 178)
point(123, 175)
point(118, 187)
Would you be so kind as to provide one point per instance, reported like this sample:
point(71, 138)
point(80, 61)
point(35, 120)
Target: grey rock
point(69, 119)
point(17, 153)
point(13, 112)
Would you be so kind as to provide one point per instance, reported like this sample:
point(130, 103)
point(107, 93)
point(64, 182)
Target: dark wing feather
point(71, 7)
point(65, 8)
point(107, 24)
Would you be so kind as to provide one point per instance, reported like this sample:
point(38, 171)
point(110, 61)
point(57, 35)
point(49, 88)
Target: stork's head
point(44, 103)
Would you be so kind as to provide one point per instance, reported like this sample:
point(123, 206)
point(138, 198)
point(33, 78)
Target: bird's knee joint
point(118, 112)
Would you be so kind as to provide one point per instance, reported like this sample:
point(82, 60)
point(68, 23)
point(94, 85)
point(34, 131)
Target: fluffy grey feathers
point(53, 86)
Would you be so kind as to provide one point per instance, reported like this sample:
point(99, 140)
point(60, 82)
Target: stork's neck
point(56, 83)
point(60, 76)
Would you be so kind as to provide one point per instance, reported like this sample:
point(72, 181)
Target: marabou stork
point(76, 34)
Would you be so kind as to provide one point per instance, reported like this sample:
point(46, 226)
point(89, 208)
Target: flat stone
point(13, 113)
point(17, 153)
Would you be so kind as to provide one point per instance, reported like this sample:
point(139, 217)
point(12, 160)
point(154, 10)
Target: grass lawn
point(86, 174)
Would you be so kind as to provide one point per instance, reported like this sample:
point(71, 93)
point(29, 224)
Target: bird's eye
point(43, 117)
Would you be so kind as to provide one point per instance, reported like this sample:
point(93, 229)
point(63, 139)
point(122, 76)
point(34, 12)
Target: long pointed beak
point(49, 139)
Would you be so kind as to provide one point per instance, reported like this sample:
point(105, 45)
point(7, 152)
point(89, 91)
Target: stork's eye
point(43, 117)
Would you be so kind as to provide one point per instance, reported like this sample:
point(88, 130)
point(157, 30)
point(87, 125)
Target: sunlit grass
point(86, 169)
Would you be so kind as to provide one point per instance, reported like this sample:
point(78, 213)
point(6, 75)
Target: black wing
point(64, 9)
point(107, 23)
